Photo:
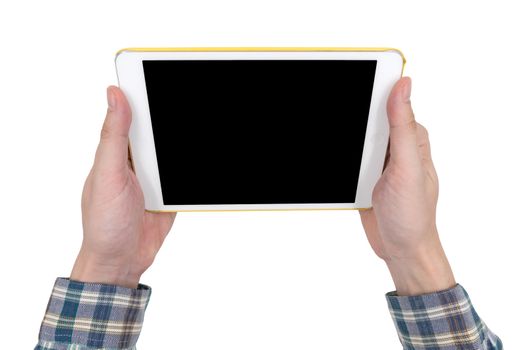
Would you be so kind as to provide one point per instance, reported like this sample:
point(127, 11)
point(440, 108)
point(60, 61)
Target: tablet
point(258, 128)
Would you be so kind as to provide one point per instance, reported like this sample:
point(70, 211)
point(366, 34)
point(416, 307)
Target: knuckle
point(104, 132)
point(412, 125)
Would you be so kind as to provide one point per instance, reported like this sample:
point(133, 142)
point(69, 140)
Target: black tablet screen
point(259, 131)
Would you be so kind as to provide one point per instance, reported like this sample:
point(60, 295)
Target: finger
point(169, 223)
point(163, 223)
point(130, 161)
point(425, 153)
point(423, 142)
point(387, 157)
point(112, 151)
point(403, 139)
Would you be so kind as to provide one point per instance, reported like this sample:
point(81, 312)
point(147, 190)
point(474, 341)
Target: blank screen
point(259, 131)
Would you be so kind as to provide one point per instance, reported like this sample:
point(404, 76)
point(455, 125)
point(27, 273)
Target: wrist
point(426, 270)
point(91, 269)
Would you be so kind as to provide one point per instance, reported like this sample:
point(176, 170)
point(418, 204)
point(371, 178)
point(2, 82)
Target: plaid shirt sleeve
point(444, 320)
point(82, 316)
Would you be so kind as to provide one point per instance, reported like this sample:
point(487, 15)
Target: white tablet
point(258, 128)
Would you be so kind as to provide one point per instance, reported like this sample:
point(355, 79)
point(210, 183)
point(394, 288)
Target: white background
point(280, 280)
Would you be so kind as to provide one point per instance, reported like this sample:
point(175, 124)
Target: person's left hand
point(121, 239)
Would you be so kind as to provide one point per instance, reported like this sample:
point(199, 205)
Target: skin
point(401, 226)
point(121, 239)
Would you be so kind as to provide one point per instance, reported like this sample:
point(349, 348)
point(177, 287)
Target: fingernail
point(111, 98)
point(407, 90)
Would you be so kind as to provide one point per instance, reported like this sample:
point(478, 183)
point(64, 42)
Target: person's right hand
point(401, 225)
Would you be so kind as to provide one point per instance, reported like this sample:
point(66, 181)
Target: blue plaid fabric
point(87, 316)
point(444, 320)
point(92, 316)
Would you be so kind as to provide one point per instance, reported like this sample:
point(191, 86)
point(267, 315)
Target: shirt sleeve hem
point(444, 320)
point(94, 315)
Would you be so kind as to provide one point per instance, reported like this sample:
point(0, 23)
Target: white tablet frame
point(130, 75)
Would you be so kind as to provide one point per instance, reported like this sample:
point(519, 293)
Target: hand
point(401, 225)
point(120, 239)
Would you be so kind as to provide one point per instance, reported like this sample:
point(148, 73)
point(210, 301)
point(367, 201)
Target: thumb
point(403, 126)
point(112, 151)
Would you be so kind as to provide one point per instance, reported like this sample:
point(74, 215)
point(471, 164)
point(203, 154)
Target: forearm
point(424, 270)
point(430, 310)
point(88, 268)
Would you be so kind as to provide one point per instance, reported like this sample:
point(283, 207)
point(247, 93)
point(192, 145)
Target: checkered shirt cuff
point(444, 320)
point(90, 315)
